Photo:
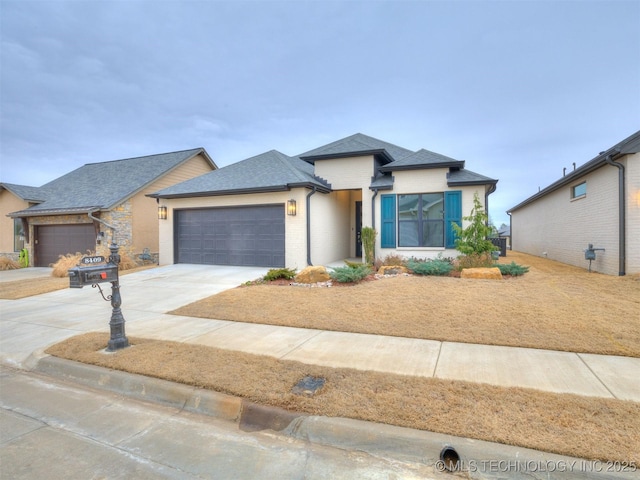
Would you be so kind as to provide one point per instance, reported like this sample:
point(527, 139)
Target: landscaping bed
point(553, 306)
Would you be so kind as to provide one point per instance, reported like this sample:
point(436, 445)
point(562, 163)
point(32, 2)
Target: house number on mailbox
point(92, 260)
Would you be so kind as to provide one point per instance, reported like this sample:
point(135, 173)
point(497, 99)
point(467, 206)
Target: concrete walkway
point(30, 325)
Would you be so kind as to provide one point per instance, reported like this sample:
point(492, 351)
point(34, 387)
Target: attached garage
point(243, 236)
point(51, 241)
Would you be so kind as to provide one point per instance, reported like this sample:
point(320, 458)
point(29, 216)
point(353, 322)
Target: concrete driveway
point(32, 324)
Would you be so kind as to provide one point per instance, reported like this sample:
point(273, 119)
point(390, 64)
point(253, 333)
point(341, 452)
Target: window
point(421, 220)
point(18, 235)
point(579, 190)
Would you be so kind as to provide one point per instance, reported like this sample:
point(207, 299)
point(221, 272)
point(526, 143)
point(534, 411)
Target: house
point(274, 210)
point(72, 213)
point(596, 204)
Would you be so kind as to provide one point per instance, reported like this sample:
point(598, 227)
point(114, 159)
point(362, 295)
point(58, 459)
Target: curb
point(477, 459)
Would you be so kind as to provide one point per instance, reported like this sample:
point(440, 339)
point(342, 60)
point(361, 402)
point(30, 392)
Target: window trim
point(420, 222)
point(18, 231)
point(575, 196)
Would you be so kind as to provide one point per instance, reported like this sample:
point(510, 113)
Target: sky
point(517, 89)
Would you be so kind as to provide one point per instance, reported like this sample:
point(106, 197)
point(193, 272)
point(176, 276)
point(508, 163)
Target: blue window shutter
point(388, 221)
point(452, 213)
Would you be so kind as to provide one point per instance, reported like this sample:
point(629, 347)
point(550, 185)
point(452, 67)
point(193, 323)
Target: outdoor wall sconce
point(291, 207)
point(162, 212)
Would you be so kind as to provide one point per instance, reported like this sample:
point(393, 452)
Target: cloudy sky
point(518, 89)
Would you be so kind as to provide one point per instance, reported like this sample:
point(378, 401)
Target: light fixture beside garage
point(162, 212)
point(291, 207)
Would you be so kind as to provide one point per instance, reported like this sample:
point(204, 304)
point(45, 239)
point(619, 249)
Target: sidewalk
point(30, 325)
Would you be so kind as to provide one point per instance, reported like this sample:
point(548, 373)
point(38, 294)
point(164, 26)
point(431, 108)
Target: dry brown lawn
point(17, 289)
point(554, 306)
point(584, 427)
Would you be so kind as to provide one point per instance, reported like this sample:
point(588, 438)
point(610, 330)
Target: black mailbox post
point(94, 275)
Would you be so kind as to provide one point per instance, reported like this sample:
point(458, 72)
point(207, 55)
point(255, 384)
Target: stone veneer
point(120, 218)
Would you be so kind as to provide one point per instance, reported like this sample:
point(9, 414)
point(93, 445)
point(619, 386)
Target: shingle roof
point(26, 193)
point(107, 184)
point(422, 159)
point(631, 144)
point(267, 172)
point(356, 144)
point(458, 178)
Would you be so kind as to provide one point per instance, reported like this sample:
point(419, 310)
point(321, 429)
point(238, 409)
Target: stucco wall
point(560, 228)
point(295, 239)
point(330, 227)
point(8, 203)
point(426, 181)
point(353, 174)
point(145, 209)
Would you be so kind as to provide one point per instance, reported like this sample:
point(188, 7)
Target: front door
point(358, 229)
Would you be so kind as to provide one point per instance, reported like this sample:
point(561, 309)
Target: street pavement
point(28, 326)
point(53, 430)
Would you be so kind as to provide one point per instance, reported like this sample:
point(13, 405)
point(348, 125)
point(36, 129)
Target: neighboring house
point(13, 198)
point(273, 210)
point(55, 219)
point(597, 203)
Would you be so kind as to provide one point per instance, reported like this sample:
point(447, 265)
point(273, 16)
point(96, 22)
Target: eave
point(380, 153)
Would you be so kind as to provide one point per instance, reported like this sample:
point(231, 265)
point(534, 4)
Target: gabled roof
point(24, 192)
point(268, 172)
point(422, 159)
point(631, 144)
point(357, 145)
point(107, 184)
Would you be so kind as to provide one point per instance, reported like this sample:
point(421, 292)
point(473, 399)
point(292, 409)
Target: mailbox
point(81, 276)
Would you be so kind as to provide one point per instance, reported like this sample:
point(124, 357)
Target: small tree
point(368, 236)
point(472, 240)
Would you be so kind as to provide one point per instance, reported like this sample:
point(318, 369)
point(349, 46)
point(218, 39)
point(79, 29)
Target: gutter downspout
point(309, 226)
point(622, 246)
point(492, 189)
point(510, 231)
point(373, 209)
point(113, 229)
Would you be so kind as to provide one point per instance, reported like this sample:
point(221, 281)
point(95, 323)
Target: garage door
point(246, 236)
point(55, 240)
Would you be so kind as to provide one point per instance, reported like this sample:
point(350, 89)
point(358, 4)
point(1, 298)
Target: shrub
point(512, 269)
point(64, 263)
point(126, 261)
point(368, 236)
point(482, 260)
point(277, 273)
point(436, 266)
point(472, 240)
point(8, 264)
point(353, 264)
point(23, 259)
point(394, 259)
point(349, 274)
